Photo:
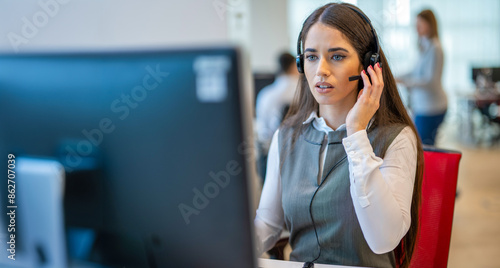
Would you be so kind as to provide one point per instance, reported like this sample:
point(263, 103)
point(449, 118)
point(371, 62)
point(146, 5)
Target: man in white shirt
point(273, 100)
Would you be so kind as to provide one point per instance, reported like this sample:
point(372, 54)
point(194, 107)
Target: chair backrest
point(436, 213)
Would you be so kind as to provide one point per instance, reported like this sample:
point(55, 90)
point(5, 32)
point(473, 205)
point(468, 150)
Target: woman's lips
point(323, 87)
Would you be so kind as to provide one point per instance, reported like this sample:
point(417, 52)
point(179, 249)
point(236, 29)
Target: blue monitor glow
point(154, 148)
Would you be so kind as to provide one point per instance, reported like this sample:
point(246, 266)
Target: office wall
point(269, 35)
point(260, 26)
point(88, 24)
point(55, 25)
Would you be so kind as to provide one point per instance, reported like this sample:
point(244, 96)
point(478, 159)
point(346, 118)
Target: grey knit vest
point(339, 233)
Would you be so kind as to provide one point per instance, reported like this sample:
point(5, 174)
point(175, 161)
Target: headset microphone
point(358, 77)
point(354, 77)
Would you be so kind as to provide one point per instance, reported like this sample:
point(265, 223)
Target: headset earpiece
point(374, 59)
point(370, 59)
point(300, 57)
point(300, 63)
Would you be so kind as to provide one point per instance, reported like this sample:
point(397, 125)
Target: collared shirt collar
point(320, 124)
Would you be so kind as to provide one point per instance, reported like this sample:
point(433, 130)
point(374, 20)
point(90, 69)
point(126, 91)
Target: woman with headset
point(345, 168)
point(428, 100)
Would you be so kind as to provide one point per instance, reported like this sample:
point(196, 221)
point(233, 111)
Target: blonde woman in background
point(428, 100)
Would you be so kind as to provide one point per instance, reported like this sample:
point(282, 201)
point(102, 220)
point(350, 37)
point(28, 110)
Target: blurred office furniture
point(485, 77)
point(479, 112)
point(479, 117)
point(261, 80)
point(268, 263)
point(437, 205)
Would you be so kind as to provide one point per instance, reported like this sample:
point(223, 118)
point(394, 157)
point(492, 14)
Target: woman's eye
point(311, 57)
point(337, 57)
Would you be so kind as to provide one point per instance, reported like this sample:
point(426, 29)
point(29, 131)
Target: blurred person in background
point(273, 102)
point(428, 101)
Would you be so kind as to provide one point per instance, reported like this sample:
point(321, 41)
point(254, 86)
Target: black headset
point(371, 57)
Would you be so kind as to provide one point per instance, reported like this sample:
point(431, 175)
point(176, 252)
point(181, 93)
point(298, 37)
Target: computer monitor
point(261, 80)
point(492, 73)
point(155, 144)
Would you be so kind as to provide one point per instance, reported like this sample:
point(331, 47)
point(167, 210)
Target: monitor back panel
point(153, 145)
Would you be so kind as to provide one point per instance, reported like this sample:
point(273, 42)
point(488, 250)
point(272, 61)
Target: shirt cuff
point(357, 143)
point(358, 149)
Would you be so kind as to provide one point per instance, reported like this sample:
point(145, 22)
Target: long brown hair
point(428, 16)
point(342, 17)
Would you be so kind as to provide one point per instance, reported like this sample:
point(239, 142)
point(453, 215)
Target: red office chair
point(439, 187)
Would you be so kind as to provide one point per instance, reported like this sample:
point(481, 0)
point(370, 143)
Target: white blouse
point(381, 189)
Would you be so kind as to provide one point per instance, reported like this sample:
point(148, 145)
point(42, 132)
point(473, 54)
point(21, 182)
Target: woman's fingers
point(366, 81)
point(373, 76)
point(368, 100)
point(377, 79)
point(380, 76)
point(360, 93)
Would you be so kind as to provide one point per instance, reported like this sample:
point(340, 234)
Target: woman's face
point(423, 27)
point(329, 61)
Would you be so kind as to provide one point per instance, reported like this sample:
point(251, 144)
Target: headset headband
point(375, 38)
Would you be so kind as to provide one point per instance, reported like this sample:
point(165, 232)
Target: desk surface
point(262, 263)
point(267, 263)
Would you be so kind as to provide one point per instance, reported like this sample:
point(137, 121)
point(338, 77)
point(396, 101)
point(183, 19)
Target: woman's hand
point(368, 100)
